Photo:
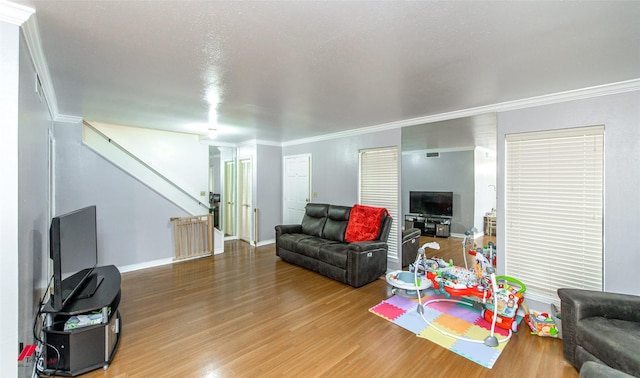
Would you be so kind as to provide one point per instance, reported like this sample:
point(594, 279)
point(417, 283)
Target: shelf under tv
point(429, 225)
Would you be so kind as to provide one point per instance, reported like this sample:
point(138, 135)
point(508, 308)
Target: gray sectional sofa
point(318, 243)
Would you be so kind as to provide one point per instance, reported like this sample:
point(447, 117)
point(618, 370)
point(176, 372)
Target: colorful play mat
point(456, 318)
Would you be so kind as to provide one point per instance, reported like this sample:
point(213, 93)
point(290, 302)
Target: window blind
point(378, 185)
point(554, 209)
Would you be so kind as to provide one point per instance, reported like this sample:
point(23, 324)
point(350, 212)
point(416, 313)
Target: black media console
point(429, 225)
point(78, 350)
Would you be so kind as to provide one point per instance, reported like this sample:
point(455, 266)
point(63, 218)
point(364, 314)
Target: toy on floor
point(459, 281)
point(508, 299)
point(412, 283)
point(501, 296)
point(467, 242)
point(452, 280)
point(488, 251)
point(543, 324)
point(405, 283)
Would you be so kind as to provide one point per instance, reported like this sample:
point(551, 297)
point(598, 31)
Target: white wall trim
point(450, 149)
point(577, 94)
point(67, 118)
point(144, 265)
point(15, 14)
point(34, 44)
point(266, 242)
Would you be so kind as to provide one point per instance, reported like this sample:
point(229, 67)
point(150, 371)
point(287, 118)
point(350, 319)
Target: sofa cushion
point(314, 218)
point(290, 241)
point(619, 349)
point(336, 225)
point(311, 246)
point(364, 223)
point(335, 254)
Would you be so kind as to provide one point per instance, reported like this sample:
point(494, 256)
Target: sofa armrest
point(592, 369)
point(368, 245)
point(288, 229)
point(589, 303)
point(577, 304)
point(366, 262)
point(410, 234)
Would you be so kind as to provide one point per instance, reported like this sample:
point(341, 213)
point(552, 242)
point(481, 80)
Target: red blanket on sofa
point(364, 223)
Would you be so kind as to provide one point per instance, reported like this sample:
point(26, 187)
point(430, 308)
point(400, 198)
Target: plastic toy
point(405, 283)
point(449, 280)
point(507, 298)
point(413, 282)
point(543, 324)
point(501, 296)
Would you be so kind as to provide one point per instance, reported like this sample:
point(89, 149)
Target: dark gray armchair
point(601, 327)
point(410, 245)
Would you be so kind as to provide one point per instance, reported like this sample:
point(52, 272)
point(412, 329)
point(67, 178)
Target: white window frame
point(554, 191)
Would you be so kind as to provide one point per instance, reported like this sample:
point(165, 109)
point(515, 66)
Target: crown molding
point(263, 142)
point(15, 14)
point(443, 150)
point(25, 16)
point(34, 45)
point(554, 98)
point(67, 118)
point(212, 142)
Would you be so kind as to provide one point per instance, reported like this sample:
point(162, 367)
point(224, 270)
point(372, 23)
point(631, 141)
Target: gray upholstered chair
point(601, 327)
point(410, 245)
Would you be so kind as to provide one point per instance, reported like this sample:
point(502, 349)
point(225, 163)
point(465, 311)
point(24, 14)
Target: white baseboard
point(266, 242)
point(144, 265)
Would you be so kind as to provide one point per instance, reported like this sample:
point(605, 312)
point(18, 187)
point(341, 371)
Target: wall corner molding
point(15, 14)
point(67, 118)
point(34, 45)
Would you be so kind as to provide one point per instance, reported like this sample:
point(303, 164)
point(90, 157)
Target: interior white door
point(229, 198)
point(244, 200)
point(297, 187)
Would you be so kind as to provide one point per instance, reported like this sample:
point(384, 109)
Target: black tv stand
point(90, 286)
point(429, 225)
point(78, 350)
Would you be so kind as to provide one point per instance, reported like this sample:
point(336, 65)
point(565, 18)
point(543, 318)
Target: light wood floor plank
point(247, 313)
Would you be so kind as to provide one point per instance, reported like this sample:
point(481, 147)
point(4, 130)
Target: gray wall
point(452, 172)
point(269, 191)
point(133, 220)
point(334, 164)
point(620, 114)
point(334, 169)
point(33, 196)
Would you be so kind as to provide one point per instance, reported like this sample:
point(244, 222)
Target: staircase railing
point(136, 167)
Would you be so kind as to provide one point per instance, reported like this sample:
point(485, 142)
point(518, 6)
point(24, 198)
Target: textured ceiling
point(282, 71)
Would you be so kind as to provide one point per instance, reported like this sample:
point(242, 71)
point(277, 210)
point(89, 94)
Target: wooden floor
point(246, 313)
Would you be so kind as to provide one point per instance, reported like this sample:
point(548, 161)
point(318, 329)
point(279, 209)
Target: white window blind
point(379, 186)
point(553, 235)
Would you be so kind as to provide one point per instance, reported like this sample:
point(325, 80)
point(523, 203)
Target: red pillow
point(364, 223)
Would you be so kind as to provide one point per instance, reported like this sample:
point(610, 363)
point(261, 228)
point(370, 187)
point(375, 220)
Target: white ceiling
point(283, 71)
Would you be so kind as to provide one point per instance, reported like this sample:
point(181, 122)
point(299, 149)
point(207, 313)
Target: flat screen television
point(439, 204)
point(74, 251)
